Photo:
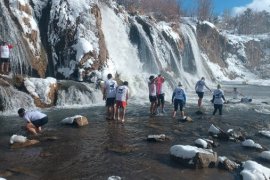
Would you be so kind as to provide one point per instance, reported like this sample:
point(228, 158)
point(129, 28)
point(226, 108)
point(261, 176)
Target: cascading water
point(19, 57)
point(11, 100)
point(74, 94)
point(140, 49)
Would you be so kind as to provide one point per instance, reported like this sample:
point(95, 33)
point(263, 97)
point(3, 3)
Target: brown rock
point(202, 160)
point(228, 165)
point(81, 121)
point(25, 144)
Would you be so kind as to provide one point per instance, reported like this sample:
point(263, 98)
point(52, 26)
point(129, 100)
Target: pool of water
point(106, 148)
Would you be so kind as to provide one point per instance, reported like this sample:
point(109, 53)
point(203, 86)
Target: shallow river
point(106, 148)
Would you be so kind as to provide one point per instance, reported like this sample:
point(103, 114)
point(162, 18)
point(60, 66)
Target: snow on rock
point(254, 171)
point(192, 156)
point(265, 155)
point(2, 178)
point(42, 89)
point(214, 130)
point(82, 47)
point(114, 178)
point(251, 143)
point(209, 24)
point(17, 139)
point(165, 27)
point(201, 143)
point(78, 18)
point(265, 133)
point(156, 137)
point(77, 120)
point(22, 10)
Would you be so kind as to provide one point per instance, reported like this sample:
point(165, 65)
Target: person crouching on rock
point(34, 120)
point(218, 100)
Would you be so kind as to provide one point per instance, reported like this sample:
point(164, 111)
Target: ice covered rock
point(251, 144)
point(193, 157)
point(265, 133)
point(18, 141)
point(42, 90)
point(77, 120)
point(201, 143)
point(227, 164)
point(156, 138)
point(218, 133)
point(265, 155)
point(114, 178)
point(254, 171)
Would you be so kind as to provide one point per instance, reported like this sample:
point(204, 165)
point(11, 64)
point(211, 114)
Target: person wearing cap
point(160, 94)
point(4, 57)
point(199, 88)
point(121, 101)
point(34, 119)
point(179, 99)
point(109, 93)
point(152, 94)
point(218, 99)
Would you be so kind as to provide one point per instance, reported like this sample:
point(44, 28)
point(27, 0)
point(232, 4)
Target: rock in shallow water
point(27, 143)
point(193, 157)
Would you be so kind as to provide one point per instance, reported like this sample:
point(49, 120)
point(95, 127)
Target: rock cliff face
point(251, 51)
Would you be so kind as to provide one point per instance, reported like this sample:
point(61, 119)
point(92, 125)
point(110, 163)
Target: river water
point(106, 148)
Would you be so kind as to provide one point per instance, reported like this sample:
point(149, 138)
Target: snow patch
point(254, 171)
point(17, 139)
point(187, 151)
point(40, 88)
point(201, 142)
point(251, 143)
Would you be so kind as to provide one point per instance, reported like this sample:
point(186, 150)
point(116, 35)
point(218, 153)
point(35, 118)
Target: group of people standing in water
point(116, 97)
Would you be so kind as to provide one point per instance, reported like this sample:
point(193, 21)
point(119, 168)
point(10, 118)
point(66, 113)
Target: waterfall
point(19, 57)
point(11, 100)
point(75, 94)
point(138, 48)
point(123, 54)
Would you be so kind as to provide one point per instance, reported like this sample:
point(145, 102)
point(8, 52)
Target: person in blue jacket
point(179, 99)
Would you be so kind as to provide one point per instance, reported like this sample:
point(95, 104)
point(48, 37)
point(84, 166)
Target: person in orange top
point(160, 94)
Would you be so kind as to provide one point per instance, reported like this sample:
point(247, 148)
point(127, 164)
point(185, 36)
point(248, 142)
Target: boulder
point(265, 155)
point(156, 138)
point(193, 157)
point(218, 133)
point(81, 121)
point(76, 120)
point(265, 133)
point(225, 163)
point(249, 143)
point(27, 143)
point(186, 119)
point(253, 170)
point(201, 143)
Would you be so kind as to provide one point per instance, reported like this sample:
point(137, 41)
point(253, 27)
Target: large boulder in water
point(193, 157)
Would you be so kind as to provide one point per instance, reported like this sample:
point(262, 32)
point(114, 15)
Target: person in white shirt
point(81, 74)
point(152, 94)
point(4, 57)
point(121, 101)
point(179, 98)
point(109, 93)
point(218, 99)
point(34, 120)
point(199, 88)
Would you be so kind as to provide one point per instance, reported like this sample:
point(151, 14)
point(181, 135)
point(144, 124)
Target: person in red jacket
point(4, 57)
